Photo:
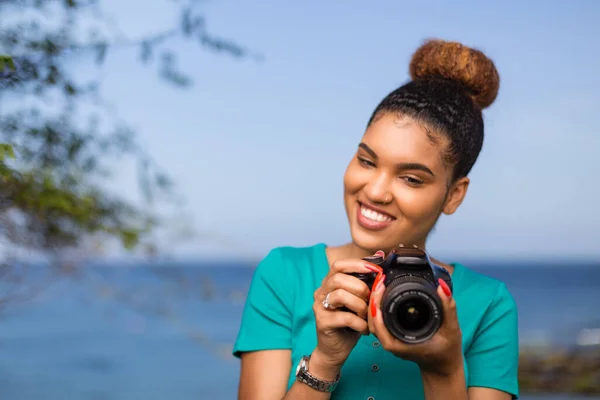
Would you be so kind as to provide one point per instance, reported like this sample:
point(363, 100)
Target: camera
point(412, 310)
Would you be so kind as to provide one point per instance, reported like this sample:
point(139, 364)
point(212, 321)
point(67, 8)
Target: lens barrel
point(411, 309)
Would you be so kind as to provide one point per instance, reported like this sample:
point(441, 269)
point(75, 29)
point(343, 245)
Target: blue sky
point(258, 149)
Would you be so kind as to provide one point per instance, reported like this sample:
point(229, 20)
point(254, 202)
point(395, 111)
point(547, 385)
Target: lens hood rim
point(397, 294)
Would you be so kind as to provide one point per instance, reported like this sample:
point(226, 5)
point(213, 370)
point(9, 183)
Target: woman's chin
point(370, 242)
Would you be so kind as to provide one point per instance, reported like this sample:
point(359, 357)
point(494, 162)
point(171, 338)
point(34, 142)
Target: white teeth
point(374, 215)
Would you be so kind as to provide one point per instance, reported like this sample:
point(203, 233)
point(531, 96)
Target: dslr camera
point(412, 310)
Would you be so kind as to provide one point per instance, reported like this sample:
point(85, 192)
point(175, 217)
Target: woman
point(308, 332)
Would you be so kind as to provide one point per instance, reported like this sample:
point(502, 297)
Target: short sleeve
point(493, 358)
point(267, 316)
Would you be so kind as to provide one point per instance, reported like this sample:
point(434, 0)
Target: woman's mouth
point(371, 219)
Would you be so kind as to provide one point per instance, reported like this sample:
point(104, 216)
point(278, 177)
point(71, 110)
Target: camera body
point(412, 310)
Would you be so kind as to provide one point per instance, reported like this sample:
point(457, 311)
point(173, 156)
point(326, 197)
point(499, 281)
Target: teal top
point(278, 315)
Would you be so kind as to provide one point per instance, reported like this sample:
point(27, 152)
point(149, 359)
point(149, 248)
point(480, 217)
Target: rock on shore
point(574, 370)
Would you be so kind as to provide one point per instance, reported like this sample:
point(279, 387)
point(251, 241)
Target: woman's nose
point(378, 190)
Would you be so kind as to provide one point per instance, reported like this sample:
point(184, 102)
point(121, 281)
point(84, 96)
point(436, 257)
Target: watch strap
point(312, 381)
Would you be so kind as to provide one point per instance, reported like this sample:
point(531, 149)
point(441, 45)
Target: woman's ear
point(456, 195)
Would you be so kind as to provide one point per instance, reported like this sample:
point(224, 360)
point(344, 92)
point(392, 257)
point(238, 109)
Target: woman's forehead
point(401, 139)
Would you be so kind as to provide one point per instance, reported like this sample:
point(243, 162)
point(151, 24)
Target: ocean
point(165, 331)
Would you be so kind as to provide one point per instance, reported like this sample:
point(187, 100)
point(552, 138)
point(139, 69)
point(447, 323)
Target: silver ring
point(326, 302)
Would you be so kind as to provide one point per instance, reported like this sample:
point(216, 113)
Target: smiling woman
point(308, 330)
point(397, 173)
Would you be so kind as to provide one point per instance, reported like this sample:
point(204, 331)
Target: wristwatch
point(305, 377)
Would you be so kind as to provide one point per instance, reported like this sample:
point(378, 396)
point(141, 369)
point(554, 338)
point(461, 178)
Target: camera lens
point(413, 314)
point(411, 309)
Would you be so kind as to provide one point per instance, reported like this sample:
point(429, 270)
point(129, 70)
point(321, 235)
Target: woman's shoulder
point(288, 270)
point(289, 262)
point(481, 288)
point(293, 254)
point(297, 253)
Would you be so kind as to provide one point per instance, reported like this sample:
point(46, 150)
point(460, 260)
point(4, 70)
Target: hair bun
point(452, 60)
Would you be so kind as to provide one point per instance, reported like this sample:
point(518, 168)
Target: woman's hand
point(340, 325)
point(440, 355)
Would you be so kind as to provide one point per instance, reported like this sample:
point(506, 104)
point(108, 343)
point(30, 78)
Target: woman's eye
point(412, 181)
point(365, 162)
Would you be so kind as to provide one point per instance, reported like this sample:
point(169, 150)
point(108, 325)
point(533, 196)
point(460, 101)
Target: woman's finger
point(327, 320)
point(348, 283)
point(448, 304)
point(375, 301)
point(340, 298)
point(353, 265)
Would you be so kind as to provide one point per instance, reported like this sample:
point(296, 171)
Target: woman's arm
point(264, 376)
point(480, 393)
point(453, 386)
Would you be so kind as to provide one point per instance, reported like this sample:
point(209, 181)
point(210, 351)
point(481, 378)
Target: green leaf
point(6, 151)
point(129, 239)
point(6, 60)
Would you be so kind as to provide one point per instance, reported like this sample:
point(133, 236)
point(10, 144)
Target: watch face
point(301, 364)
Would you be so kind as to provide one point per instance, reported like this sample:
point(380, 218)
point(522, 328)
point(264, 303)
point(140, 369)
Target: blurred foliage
point(52, 193)
point(7, 61)
point(59, 137)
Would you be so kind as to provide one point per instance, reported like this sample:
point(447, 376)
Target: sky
point(258, 148)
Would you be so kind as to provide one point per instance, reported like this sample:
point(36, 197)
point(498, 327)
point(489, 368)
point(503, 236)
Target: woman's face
point(397, 184)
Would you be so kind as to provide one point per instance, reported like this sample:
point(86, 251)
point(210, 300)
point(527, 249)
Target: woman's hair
point(451, 85)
